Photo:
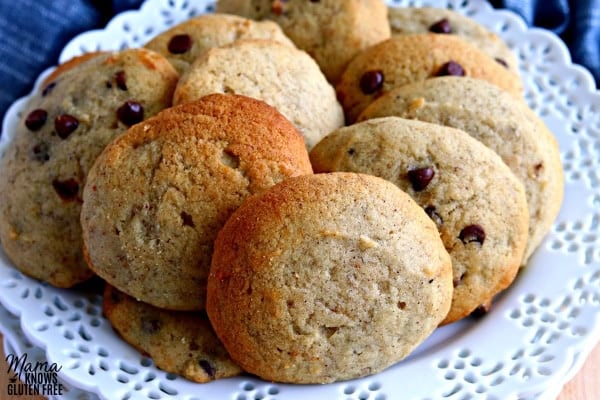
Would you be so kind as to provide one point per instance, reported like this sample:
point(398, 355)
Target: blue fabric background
point(32, 32)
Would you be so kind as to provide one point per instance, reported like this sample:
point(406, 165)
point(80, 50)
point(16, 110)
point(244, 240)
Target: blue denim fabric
point(32, 32)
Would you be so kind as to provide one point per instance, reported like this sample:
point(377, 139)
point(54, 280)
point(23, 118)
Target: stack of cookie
point(182, 175)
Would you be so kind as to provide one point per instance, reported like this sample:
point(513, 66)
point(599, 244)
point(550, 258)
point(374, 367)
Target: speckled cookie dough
point(179, 342)
point(331, 31)
point(462, 185)
point(157, 195)
point(283, 77)
point(406, 59)
point(327, 277)
point(81, 106)
point(499, 121)
point(186, 41)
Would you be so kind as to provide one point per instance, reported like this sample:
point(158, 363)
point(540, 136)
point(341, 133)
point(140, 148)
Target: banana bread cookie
point(333, 32)
point(499, 121)
point(185, 42)
point(407, 20)
point(283, 77)
point(462, 185)
point(179, 342)
point(327, 277)
point(158, 194)
point(406, 59)
point(79, 109)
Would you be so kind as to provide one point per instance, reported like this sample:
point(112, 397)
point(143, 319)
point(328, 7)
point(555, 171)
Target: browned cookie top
point(331, 31)
point(411, 58)
point(327, 277)
point(157, 196)
point(186, 41)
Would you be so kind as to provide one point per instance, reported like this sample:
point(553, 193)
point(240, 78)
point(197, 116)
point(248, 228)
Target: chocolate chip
point(130, 113)
point(36, 119)
point(40, 152)
point(371, 81)
point(187, 219)
point(193, 346)
point(481, 311)
point(501, 62)
point(67, 190)
point(150, 325)
point(121, 80)
point(434, 215)
point(420, 177)
point(472, 233)
point(180, 44)
point(351, 151)
point(451, 68)
point(108, 84)
point(442, 26)
point(208, 368)
point(48, 89)
point(65, 124)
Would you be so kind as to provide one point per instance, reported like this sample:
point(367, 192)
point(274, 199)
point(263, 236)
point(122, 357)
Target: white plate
point(536, 336)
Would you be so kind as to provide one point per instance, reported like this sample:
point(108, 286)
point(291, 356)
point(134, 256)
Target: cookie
point(502, 123)
point(333, 32)
point(462, 185)
point(185, 42)
point(158, 194)
point(283, 77)
point(327, 277)
point(406, 59)
point(408, 20)
point(65, 126)
point(179, 342)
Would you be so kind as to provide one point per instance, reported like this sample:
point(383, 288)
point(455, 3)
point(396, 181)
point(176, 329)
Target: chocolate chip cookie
point(407, 20)
point(282, 76)
point(499, 121)
point(462, 185)
point(327, 277)
point(158, 194)
point(186, 41)
point(78, 110)
point(179, 342)
point(333, 32)
point(406, 59)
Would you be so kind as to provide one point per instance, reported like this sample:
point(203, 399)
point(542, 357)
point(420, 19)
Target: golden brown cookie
point(406, 59)
point(158, 194)
point(499, 121)
point(282, 76)
point(179, 342)
point(66, 125)
point(407, 20)
point(186, 41)
point(331, 31)
point(327, 277)
point(462, 185)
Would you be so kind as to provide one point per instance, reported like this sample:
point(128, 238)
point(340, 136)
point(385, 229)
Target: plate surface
point(535, 338)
